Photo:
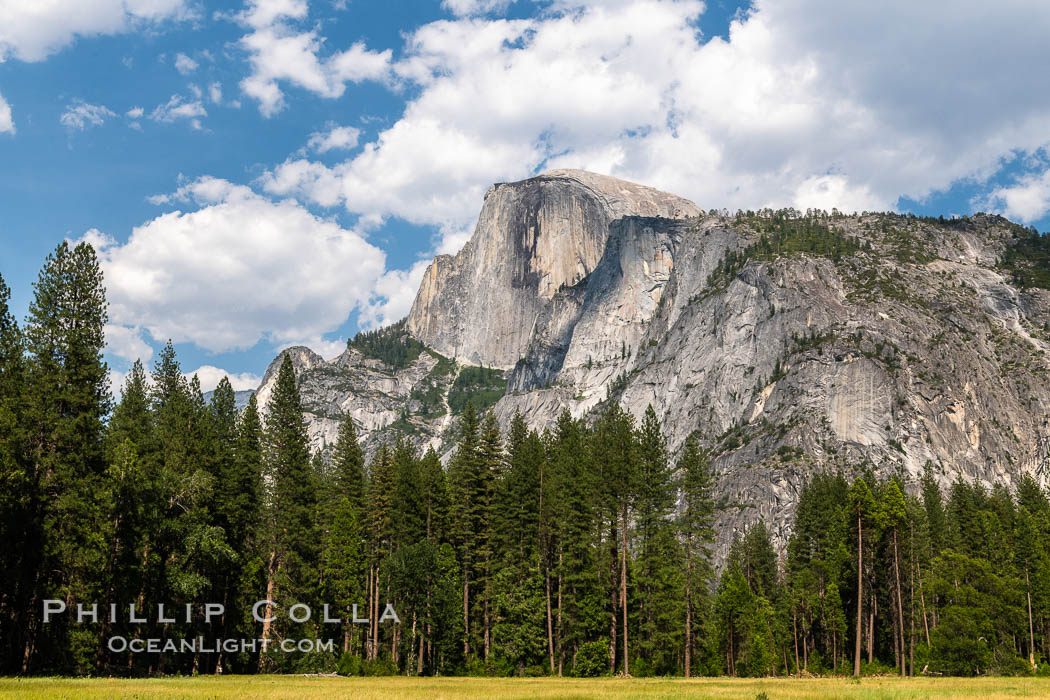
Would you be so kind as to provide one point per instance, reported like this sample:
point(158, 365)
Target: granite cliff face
point(533, 238)
point(791, 343)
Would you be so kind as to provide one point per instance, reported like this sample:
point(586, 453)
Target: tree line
point(583, 549)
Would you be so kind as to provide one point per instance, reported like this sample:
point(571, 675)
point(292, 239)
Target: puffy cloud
point(237, 269)
point(184, 64)
point(395, 292)
point(806, 103)
point(31, 30)
point(215, 93)
point(1027, 199)
point(280, 52)
point(209, 377)
point(263, 13)
point(314, 180)
point(81, 115)
point(328, 349)
point(122, 341)
point(336, 138)
point(116, 381)
point(7, 122)
point(177, 108)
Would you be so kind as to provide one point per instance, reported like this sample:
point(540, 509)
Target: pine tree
point(222, 436)
point(463, 496)
point(861, 505)
point(435, 496)
point(380, 534)
point(696, 528)
point(519, 585)
point(408, 498)
point(292, 538)
point(17, 502)
point(344, 563)
point(132, 419)
point(657, 572)
point(68, 392)
point(894, 510)
point(615, 450)
point(348, 467)
point(129, 444)
point(243, 485)
point(576, 613)
point(222, 414)
point(516, 510)
point(490, 467)
point(243, 505)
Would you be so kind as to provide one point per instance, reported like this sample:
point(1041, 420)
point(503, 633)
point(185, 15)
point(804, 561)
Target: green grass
point(507, 688)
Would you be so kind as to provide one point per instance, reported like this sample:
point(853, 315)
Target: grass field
point(505, 689)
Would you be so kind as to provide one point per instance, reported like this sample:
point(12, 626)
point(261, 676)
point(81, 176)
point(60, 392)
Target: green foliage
point(785, 233)
point(1027, 259)
point(66, 401)
point(292, 533)
point(478, 385)
point(585, 549)
point(592, 659)
point(391, 345)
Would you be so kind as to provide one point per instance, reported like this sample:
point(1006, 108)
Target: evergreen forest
point(583, 549)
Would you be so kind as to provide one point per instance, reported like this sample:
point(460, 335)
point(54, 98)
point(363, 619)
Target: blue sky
point(268, 172)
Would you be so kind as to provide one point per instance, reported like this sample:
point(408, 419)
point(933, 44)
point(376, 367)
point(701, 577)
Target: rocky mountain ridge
point(791, 342)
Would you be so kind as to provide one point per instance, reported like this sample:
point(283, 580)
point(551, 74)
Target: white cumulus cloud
point(209, 377)
point(123, 341)
point(236, 269)
point(335, 138)
point(1027, 199)
point(810, 103)
point(263, 13)
point(395, 292)
point(806, 103)
point(279, 51)
point(31, 30)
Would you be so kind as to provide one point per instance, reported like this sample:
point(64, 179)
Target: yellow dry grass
point(513, 688)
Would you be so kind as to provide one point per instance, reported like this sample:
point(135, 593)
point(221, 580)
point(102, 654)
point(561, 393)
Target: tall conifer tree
point(68, 401)
point(292, 537)
point(696, 525)
point(16, 492)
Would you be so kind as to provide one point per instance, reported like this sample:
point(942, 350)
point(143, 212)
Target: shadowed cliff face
point(849, 340)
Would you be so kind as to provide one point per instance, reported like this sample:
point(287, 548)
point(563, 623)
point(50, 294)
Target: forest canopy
point(580, 548)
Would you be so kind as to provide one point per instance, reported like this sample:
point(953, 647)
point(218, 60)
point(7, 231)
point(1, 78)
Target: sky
point(256, 174)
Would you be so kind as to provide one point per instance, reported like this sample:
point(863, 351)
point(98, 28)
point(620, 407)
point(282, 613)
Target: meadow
point(447, 688)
